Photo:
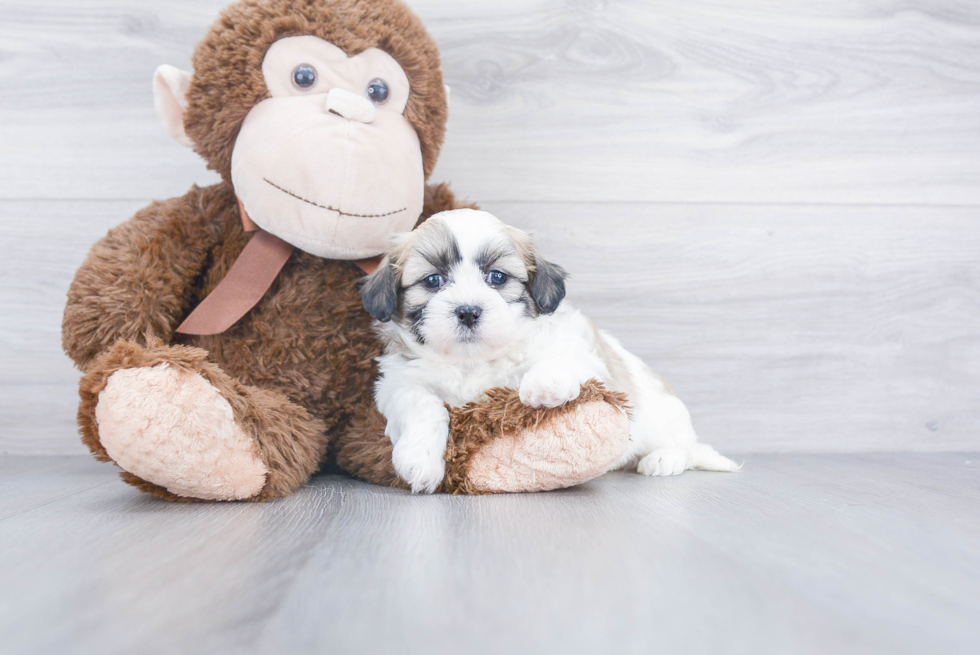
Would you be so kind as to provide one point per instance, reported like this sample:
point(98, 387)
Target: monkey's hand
point(139, 279)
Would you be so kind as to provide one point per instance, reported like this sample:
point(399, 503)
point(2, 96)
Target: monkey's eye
point(304, 77)
point(433, 282)
point(377, 91)
point(496, 279)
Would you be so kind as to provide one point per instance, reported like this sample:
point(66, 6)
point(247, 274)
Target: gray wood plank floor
point(774, 203)
point(874, 553)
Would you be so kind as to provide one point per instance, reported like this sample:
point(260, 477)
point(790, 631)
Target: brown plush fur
point(365, 452)
point(439, 198)
point(476, 424)
point(228, 78)
point(296, 369)
point(290, 441)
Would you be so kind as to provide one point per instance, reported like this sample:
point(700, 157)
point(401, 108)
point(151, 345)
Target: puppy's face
point(462, 284)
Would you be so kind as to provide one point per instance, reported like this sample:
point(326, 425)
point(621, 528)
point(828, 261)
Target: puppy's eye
point(377, 91)
point(496, 279)
point(433, 281)
point(304, 77)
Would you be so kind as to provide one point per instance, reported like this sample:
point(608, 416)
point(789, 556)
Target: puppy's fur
point(466, 305)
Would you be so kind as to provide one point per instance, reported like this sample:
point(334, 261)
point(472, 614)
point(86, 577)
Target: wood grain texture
point(775, 204)
point(788, 328)
point(795, 554)
point(792, 328)
point(804, 326)
point(875, 101)
point(43, 244)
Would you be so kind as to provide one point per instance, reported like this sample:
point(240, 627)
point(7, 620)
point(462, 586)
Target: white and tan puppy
point(466, 305)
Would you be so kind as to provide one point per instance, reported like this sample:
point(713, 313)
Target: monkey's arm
point(139, 279)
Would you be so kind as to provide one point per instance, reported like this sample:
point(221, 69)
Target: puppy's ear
point(546, 281)
point(547, 285)
point(379, 292)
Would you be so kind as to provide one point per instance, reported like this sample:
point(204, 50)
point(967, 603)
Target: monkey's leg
point(364, 451)
point(501, 445)
point(182, 429)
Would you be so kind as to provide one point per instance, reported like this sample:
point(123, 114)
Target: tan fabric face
point(335, 70)
point(325, 169)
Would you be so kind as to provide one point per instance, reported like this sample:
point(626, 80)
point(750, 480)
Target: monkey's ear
point(548, 286)
point(379, 292)
point(170, 99)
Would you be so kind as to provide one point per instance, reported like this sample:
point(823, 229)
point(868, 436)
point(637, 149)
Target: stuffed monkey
point(225, 351)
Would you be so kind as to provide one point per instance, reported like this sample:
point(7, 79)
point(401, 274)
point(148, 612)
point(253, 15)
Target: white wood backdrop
point(776, 203)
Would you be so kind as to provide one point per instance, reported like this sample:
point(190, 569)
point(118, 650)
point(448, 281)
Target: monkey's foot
point(170, 426)
point(502, 445)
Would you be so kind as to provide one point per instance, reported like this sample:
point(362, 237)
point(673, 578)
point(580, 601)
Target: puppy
point(465, 304)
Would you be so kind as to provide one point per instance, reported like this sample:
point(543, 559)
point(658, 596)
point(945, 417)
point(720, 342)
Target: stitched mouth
point(329, 208)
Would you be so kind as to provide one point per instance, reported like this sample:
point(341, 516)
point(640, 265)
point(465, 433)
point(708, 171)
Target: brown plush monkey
point(225, 352)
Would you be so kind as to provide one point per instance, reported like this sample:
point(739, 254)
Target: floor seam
point(54, 500)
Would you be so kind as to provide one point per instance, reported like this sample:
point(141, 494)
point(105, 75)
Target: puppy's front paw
point(418, 457)
point(665, 461)
point(548, 385)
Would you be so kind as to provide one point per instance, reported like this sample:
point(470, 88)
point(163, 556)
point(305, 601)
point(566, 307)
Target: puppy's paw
point(548, 385)
point(418, 456)
point(665, 461)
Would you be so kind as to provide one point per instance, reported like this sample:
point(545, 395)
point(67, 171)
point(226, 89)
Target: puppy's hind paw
point(665, 461)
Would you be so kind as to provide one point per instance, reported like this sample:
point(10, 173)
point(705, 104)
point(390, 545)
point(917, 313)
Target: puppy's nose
point(468, 315)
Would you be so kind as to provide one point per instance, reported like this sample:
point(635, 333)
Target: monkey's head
point(327, 116)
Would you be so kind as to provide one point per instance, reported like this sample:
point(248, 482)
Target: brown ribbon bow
point(250, 277)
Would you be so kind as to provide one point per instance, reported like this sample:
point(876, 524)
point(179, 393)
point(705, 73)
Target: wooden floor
point(796, 554)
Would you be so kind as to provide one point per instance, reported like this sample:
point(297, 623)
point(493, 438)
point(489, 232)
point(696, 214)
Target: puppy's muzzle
point(468, 315)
